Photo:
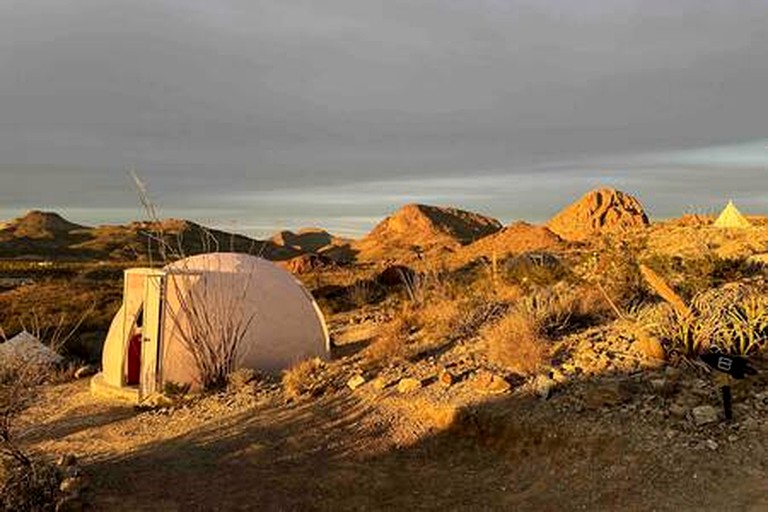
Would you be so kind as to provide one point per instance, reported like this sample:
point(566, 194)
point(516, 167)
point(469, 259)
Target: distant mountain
point(38, 225)
point(602, 210)
point(46, 235)
point(417, 228)
point(308, 240)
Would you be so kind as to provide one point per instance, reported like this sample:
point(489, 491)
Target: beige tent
point(218, 297)
point(731, 217)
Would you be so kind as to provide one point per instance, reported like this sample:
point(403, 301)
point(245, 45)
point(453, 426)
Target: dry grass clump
point(440, 319)
point(561, 310)
point(535, 270)
point(390, 343)
point(613, 266)
point(519, 340)
point(241, 379)
point(516, 343)
point(305, 379)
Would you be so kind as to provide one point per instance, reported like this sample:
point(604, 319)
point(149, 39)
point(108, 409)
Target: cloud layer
point(215, 102)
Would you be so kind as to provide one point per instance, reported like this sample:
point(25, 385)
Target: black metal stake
point(726, 390)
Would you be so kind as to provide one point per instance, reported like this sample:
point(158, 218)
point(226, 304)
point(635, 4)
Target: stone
point(86, 371)
point(678, 411)
point(704, 415)
point(711, 444)
point(380, 383)
point(543, 386)
point(650, 349)
point(487, 382)
point(72, 485)
point(408, 384)
point(158, 400)
point(446, 378)
point(355, 382)
point(606, 394)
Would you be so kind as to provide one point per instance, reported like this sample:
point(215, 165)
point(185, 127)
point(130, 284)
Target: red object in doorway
point(134, 359)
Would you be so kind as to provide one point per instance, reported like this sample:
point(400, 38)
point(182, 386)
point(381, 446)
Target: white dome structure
point(212, 307)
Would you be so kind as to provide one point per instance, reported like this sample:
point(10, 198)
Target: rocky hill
point(46, 235)
point(603, 210)
point(517, 238)
point(38, 225)
point(422, 228)
point(308, 240)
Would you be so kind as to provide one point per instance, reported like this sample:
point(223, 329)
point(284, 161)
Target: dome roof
point(225, 262)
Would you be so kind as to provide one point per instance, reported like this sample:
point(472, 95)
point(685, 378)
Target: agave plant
point(744, 329)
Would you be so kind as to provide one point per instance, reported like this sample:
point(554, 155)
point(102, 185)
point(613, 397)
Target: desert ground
point(474, 366)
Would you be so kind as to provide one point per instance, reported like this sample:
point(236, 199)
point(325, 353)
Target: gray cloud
point(211, 98)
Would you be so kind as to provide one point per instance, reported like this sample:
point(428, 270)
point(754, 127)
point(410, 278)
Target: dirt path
point(356, 451)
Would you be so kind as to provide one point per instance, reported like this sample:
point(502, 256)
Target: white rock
point(355, 382)
point(704, 415)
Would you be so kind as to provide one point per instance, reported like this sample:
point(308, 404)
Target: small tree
point(208, 315)
point(211, 321)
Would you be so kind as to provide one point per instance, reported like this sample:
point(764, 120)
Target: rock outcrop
point(603, 210)
point(307, 239)
point(39, 225)
point(517, 238)
point(423, 228)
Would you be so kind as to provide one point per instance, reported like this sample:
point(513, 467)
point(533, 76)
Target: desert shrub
point(363, 292)
point(692, 276)
point(241, 379)
point(535, 270)
point(440, 318)
point(614, 267)
point(26, 483)
point(729, 319)
point(560, 310)
point(744, 326)
point(687, 335)
point(515, 342)
point(175, 390)
point(29, 486)
point(740, 317)
point(45, 308)
point(390, 342)
point(305, 379)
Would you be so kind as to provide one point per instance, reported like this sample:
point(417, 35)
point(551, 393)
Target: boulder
point(305, 263)
point(487, 382)
point(603, 210)
point(408, 384)
point(355, 382)
point(704, 415)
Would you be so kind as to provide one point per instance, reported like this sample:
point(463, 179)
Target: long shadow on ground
point(512, 453)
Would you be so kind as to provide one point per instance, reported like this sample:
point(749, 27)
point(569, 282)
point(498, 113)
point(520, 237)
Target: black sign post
point(731, 367)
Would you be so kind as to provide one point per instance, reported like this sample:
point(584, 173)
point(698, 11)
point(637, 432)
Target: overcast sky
point(258, 115)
